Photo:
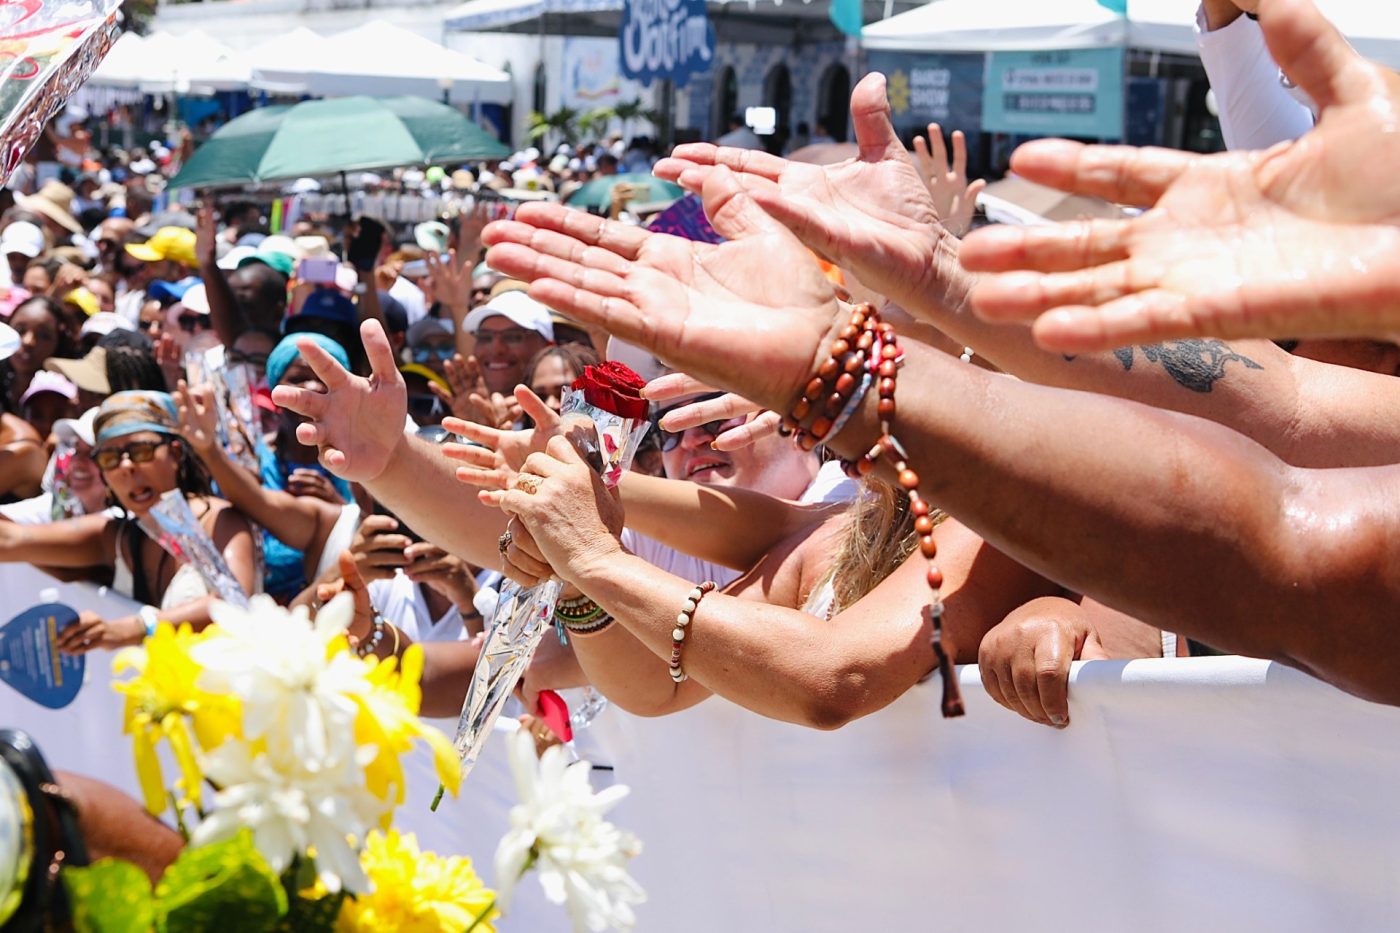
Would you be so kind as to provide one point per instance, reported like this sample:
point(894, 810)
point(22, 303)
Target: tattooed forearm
point(1195, 364)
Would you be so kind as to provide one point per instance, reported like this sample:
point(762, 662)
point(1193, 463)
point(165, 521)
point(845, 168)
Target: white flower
point(558, 827)
point(295, 694)
point(290, 809)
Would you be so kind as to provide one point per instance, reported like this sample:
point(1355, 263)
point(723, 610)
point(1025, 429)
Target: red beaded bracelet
point(868, 342)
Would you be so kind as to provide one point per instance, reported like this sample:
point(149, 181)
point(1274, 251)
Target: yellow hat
point(174, 243)
point(418, 369)
point(84, 299)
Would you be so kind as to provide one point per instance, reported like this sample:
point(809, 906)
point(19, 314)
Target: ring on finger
point(503, 542)
point(528, 483)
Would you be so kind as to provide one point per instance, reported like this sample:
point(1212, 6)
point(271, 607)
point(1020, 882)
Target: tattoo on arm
point(1195, 364)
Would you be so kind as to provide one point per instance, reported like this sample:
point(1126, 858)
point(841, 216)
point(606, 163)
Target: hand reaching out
point(357, 423)
point(307, 482)
point(1298, 241)
point(451, 283)
point(205, 245)
point(500, 452)
point(702, 411)
point(378, 548)
point(1025, 660)
point(199, 417)
point(954, 199)
point(170, 359)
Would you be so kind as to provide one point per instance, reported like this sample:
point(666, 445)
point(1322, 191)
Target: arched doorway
point(834, 104)
point(777, 93)
point(725, 103)
point(539, 96)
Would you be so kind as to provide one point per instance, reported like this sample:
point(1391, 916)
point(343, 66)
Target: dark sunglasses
point(426, 354)
point(189, 323)
point(670, 440)
point(109, 458)
point(256, 360)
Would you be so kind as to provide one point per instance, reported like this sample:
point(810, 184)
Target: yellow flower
point(388, 719)
point(162, 702)
point(416, 892)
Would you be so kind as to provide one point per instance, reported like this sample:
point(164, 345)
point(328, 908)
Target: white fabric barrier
point(1206, 794)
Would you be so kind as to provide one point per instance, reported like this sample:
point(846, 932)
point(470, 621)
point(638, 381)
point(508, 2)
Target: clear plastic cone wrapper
point(50, 50)
point(608, 442)
point(183, 538)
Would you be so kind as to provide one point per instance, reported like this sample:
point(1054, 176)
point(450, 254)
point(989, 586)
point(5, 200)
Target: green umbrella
point(345, 134)
point(597, 194)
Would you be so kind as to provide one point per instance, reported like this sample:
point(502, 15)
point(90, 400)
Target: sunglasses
point(670, 440)
point(109, 458)
point(515, 337)
point(426, 354)
point(256, 360)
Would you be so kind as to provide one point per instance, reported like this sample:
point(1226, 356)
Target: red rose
point(614, 388)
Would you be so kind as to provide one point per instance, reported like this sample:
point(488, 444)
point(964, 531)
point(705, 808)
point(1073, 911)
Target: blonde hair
point(879, 537)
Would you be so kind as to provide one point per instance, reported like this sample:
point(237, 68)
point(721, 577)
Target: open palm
point(872, 214)
point(748, 314)
point(357, 423)
point(1299, 241)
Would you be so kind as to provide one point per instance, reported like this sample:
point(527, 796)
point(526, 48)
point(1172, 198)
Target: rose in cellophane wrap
point(233, 398)
point(184, 538)
point(50, 49)
point(605, 417)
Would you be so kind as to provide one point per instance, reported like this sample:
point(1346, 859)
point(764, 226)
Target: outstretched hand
point(357, 423)
point(872, 214)
point(1298, 241)
point(199, 417)
point(954, 199)
point(716, 311)
point(493, 455)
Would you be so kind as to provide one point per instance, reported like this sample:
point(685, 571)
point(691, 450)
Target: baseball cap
point(519, 308)
point(170, 292)
point(235, 256)
point(23, 238)
point(174, 243)
point(417, 369)
point(328, 304)
point(88, 374)
point(48, 381)
point(425, 328)
point(84, 300)
point(433, 236)
point(103, 323)
point(80, 427)
point(272, 258)
point(196, 299)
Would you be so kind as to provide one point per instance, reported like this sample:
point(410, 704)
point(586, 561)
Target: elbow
point(842, 699)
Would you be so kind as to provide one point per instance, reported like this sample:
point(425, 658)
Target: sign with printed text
point(667, 39)
point(923, 89)
point(30, 661)
point(1055, 93)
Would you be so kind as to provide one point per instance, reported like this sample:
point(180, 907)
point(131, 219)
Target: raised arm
point(223, 307)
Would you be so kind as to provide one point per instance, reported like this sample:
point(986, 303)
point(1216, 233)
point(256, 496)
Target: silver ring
point(503, 542)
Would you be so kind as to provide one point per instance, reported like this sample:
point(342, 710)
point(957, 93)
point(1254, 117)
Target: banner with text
point(924, 89)
point(1056, 93)
point(666, 39)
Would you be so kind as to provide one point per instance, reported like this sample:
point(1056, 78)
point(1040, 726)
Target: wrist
point(587, 568)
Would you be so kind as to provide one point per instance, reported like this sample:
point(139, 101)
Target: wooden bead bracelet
point(683, 620)
point(868, 346)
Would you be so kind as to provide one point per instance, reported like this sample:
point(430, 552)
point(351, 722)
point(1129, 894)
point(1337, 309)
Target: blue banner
point(1056, 93)
point(30, 661)
point(667, 39)
point(923, 89)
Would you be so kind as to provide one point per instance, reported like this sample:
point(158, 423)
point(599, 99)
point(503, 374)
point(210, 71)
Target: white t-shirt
point(1257, 110)
point(400, 601)
point(38, 510)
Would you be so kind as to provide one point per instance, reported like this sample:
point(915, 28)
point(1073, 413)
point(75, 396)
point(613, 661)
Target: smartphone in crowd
point(318, 270)
point(364, 248)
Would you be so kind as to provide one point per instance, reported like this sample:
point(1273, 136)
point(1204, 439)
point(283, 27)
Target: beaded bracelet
point(376, 635)
point(868, 341)
point(593, 627)
point(682, 622)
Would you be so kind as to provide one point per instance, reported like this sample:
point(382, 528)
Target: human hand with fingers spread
point(199, 417)
point(1025, 660)
point(715, 311)
point(872, 214)
point(1298, 241)
point(496, 449)
point(378, 548)
point(726, 413)
point(954, 199)
point(357, 423)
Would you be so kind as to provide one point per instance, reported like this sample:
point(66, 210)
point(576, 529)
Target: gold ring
point(528, 483)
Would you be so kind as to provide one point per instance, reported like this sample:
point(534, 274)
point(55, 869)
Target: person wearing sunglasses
point(141, 458)
point(429, 343)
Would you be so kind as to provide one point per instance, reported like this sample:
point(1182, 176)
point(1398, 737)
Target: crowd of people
point(927, 447)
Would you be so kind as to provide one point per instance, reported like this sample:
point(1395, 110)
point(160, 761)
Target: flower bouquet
point(604, 416)
point(290, 771)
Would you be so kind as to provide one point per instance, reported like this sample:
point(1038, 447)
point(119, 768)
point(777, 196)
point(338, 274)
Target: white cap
point(313, 247)
point(23, 238)
point(433, 236)
point(517, 307)
point(81, 426)
point(236, 255)
point(103, 323)
point(9, 341)
point(196, 299)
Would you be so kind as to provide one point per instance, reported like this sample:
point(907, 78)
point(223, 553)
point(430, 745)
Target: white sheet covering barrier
point(1210, 794)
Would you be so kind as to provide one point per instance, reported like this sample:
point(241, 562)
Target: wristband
point(150, 617)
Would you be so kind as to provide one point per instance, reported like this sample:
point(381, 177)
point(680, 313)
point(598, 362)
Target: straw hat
point(54, 201)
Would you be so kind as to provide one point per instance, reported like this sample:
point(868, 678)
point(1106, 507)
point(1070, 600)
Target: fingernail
point(1059, 719)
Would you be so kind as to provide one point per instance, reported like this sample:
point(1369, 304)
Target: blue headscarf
point(287, 352)
point(134, 411)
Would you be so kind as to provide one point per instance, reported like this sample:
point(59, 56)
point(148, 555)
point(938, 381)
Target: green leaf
point(226, 886)
point(110, 896)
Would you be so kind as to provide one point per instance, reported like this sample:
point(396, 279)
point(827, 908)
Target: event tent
point(381, 59)
point(1151, 25)
point(163, 63)
point(295, 46)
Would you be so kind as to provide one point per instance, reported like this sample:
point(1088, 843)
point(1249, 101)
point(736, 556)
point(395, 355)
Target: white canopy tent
point(1152, 25)
point(163, 63)
point(123, 65)
point(281, 51)
point(380, 59)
